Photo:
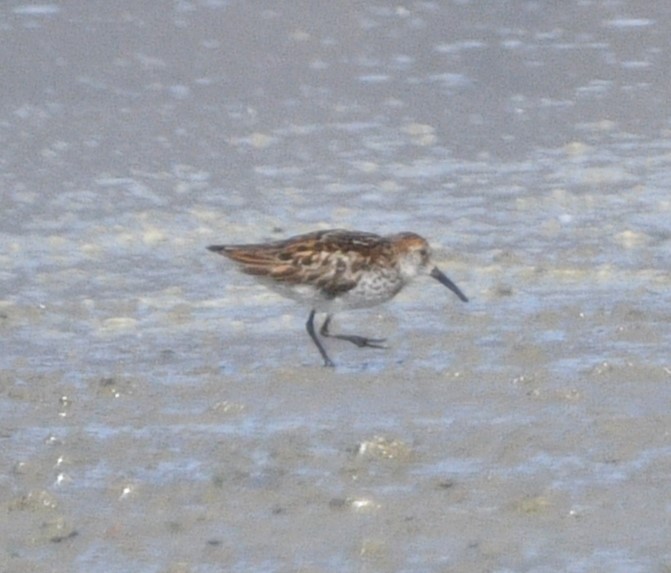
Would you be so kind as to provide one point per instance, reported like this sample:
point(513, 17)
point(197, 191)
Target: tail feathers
point(245, 255)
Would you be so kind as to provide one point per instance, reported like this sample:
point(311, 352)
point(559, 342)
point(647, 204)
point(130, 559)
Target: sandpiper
point(335, 270)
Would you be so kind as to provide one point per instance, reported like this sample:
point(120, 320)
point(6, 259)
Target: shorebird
point(336, 270)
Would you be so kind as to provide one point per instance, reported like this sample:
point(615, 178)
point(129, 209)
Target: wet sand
point(162, 412)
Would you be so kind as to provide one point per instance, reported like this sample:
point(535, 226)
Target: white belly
point(371, 290)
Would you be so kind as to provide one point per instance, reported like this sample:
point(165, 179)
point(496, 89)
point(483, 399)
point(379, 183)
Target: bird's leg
point(360, 341)
point(310, 325)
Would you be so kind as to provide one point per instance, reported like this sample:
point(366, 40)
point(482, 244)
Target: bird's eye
point(423, 253)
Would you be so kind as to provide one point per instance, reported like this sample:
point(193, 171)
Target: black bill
point(441, 278)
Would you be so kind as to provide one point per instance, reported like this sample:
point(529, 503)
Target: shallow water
point(161, 412)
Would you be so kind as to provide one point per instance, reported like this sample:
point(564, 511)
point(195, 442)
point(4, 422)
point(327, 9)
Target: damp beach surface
point(163, 412)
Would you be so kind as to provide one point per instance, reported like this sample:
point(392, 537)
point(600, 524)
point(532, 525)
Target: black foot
point(360, 341)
